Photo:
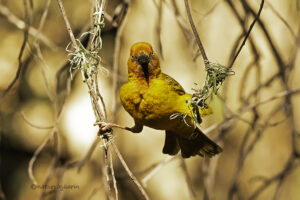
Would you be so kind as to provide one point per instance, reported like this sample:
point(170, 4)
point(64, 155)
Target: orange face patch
point(139, 48)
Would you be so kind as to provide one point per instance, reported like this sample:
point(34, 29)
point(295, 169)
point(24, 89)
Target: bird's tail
point(199, 144)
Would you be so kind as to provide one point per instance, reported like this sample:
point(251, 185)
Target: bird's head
point(143, 62)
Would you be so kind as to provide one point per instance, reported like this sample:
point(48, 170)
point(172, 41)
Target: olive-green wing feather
point(200, 144)
point(174, 85)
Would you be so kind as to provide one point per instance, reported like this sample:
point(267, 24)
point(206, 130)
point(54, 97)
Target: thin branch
point(88, 155)
point(201, 48)
point(79, 164)
point(63, 12)
point(34, 125)
point(132, 177)
point(158, 29)
point(113, 175)
point(286, 170)
point(116, 57)
point(150, 171)
point(38, 53)
point(279, 60)
point(188, 180)
point(52, 168)
point(34, 157)
point(188, 35)
point(99, 95)
point(21, 52)
point(278, 95)
point(282, 19)
point(248, 33)
point(209, 169)
point(94, 191)
point(105, 171)
point(155, 169)
point(95, 101)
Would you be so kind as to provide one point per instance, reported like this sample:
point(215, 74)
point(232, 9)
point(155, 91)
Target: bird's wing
point(198, 144)
point(174, 85)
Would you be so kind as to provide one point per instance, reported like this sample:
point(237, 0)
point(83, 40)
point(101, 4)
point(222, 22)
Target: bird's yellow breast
point(153, 103)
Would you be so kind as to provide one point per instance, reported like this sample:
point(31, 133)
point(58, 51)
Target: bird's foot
point(107, 127)
point(104, 126)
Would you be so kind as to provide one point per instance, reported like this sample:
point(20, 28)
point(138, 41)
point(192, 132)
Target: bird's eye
point(133, 58)
point(151, 55)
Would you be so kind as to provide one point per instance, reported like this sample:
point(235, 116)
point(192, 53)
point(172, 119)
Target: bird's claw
point(105, 127)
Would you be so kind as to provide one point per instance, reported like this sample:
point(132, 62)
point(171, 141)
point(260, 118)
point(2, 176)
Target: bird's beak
point(144, 60)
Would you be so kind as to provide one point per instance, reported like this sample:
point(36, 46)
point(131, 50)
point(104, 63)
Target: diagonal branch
point(197, 37)
point(248, 33)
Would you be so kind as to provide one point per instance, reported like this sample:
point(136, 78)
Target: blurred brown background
point(261, 145)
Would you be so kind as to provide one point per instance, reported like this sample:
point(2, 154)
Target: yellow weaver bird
point(156, 100)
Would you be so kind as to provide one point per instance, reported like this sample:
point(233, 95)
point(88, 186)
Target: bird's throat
point(146, 71)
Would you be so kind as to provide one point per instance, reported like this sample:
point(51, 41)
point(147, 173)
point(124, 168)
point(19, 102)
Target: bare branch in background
point(281, 19)
point(209, 169)
point(34, 125)
point(132, 177)
point(154, 169)
point(188, 180)
point(188, 35)
point(38, 55)
point(22, 25)
point(20, 57)
point(34, 157)
point(117, 50)
point(248, 33)
point(158, 29)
